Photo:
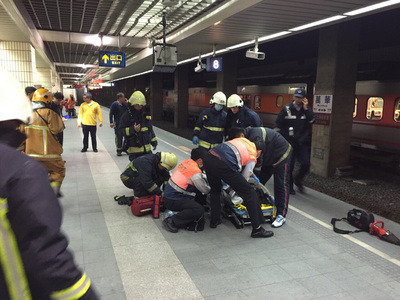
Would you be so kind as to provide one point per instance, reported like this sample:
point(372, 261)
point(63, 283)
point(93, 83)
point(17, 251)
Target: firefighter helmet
point(18, 107)
point(218, 98)
point(234, 101)
point(137, 98)
point(168, 160)
point(42, 95)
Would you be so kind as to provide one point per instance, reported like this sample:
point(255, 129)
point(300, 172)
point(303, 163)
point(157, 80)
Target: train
point(376, 115)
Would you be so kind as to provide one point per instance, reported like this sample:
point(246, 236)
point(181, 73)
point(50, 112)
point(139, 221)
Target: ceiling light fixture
point(372, 7)
point(272, 36)
point(317, 23)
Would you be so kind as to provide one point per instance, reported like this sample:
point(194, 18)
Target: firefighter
point(209, 130)
point(71, 106)
point(240, 115)
point(275, 160)
point(42, 143)
point(137, 128)
point(233, 162)
point(147, 173)
point(180, 193)
point(34, 260)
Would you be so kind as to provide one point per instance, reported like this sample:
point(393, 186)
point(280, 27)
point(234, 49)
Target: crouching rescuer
point(147, 173)
point(180, 193)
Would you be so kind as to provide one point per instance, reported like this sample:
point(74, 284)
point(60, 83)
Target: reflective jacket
point(244, 118)
point(301, 121)
point(185, 181)
point(42, 139)
point(71, 103)
point(210, 128)
point(237, 153)
point(34, 260)
point(146, 169)
point(277, 148)
point(138, 142)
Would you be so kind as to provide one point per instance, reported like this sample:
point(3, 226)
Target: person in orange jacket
point(42, 143)
point(71, 106)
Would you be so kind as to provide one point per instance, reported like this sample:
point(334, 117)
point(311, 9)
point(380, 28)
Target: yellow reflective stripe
point(45, 156)
point(283, 156)
point(154, 186)
point(197, 128)
point(154, 139)
point(37, 127)
point(144, 129)
point(74, 292)
point(145, 148)
point(127, 131)
point(132, 167)
point(264, 133)
point(10, 258)
point(214, 128)
point(207, 145)
point(257, 169)
point(44, 129)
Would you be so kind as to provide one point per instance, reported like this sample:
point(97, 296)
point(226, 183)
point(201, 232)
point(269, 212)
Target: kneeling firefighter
point(180, 193)
point(136, 126)
point(147, 173)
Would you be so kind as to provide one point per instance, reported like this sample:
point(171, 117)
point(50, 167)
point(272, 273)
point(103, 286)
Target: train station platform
point(130, 257)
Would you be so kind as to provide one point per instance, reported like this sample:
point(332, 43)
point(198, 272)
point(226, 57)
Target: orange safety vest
point(182, 174)
point(245, 150)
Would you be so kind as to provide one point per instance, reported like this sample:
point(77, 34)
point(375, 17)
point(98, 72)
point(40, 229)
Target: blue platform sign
point(214, 64)
point(111, 59)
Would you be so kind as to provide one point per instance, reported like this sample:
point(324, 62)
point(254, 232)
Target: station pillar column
point(182, 96)
point(227, 79)
point(19, 59)
point(156, 102)
point(44, 77)
point(334, 97)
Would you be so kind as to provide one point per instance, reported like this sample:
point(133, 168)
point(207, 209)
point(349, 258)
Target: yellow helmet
point(168, 160)
point(42, 95)
point(137, 98)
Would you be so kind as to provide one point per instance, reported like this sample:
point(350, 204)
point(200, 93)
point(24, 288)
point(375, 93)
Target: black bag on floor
point(358, 218)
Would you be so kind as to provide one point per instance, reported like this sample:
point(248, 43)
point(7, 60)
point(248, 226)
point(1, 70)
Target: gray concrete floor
point(130, 257)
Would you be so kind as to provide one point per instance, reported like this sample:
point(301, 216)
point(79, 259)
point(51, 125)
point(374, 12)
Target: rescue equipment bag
point(145, 205)
point(358, 218)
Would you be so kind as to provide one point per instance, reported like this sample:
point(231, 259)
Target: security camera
point(251, 53)
point(200, 67)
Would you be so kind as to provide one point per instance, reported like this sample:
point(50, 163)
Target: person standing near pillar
point(294, 122)
point(117, 108)
point(136, 125)
point(209, 130)
point(240, 115)
point(89, 111)
point(56, 105)
point(29, 90)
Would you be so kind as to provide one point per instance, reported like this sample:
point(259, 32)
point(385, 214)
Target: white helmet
point(234, 101)
point(17, 106)
point(218, 98)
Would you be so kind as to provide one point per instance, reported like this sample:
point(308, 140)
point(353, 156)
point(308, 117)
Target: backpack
point(358, 218)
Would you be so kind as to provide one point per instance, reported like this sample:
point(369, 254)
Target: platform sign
point(111, 59)
point(214, 64)
point(322, 119)
point(323, 104)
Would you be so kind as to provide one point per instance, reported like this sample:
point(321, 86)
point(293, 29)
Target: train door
point(374, 108)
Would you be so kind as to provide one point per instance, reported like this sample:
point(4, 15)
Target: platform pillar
point(156, 101)
point(336, 76)
point(227, 79)
point(182, 96)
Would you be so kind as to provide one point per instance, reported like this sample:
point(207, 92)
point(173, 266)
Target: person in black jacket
point(137, 128)
point(117, 109)
point(294, 122)
point(147, 173)
point(56, 105)
point(35, 264)
point(239, 115)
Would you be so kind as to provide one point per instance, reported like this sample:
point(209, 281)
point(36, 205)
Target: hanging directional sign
point(111, 59)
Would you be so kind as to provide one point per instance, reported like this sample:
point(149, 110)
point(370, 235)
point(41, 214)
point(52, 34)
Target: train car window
point(355, 108)
point(396, 115)
point(257, 102)
point(374, 108)
point(279, 101)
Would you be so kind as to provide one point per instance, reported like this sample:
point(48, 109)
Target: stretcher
point(234, 210)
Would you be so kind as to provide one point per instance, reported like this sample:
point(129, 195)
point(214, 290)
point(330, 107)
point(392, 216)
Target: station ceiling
point(66, 30)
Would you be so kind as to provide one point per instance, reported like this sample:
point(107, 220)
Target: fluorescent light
point(371, 7)
point(221, 51)
point(216, 23)
point(240, 45)
point(320, 22)
point(271, 36)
